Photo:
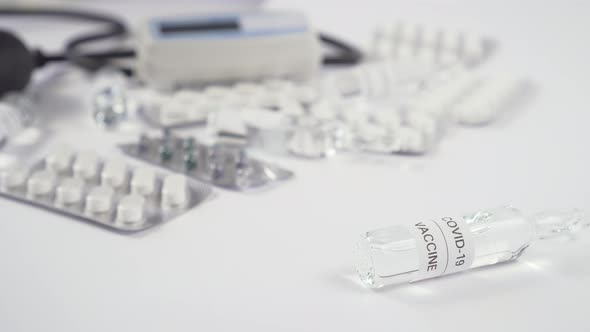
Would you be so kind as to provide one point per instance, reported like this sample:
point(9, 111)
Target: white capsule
point(130, 209)
point(486, 101)
point(86, 164)
point(143, 181)
point(59, 159)
point(41, 183)
point(174, 191)
point(13, 178)
point(114, 172)
point(99, 200)
point(69, 191)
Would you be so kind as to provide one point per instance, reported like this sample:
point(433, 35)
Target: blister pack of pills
point(226, 165)
point(190, 107)
point(428, 44)
point(106, 192)
point(334, 126)
point(473, 100)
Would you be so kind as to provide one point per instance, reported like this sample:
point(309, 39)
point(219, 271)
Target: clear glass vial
point(401, 254)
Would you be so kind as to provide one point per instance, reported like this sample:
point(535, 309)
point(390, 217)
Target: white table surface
point(282, 260)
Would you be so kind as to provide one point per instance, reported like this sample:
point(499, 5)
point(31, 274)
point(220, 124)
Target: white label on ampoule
point(444, 246)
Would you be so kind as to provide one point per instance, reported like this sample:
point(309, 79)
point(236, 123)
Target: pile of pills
point(107, 192)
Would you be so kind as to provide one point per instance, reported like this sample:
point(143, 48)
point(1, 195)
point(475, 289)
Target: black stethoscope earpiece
point(17, 63)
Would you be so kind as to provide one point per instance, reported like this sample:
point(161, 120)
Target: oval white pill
point(99, 199)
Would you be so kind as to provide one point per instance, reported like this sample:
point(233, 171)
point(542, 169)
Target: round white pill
point(174, 191)
point(41, 183)
point(430, 36)
point(389, 119)
point(143, 181)
point(292, 108)
point(272, 100)
point(99, 199)
point(246, 88)
point(130, 209)
point(411, 141)
point(217, 92)
point(187, 97)
point(474, 47)
point(13, 178)
point(114, 173)
point(86, 164)
point(305, 94)
point(451, 40)
point(324, 110)
point(69, 191)
point(175, 112)
point(59, 159)
point(279, 85)
point(411, 33)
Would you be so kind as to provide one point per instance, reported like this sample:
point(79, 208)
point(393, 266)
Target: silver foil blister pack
point(222, 164)
point(105, 192)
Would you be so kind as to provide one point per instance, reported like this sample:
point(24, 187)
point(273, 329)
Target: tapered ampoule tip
point(560, 222)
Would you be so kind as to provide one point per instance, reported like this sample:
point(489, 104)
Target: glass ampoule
point(435, 247)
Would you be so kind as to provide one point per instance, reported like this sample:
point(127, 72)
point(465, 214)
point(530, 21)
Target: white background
point(281, 260)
